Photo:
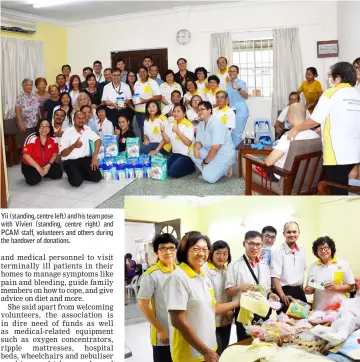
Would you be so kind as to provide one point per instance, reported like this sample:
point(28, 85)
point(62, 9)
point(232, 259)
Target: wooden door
point(134, 59)
point(172, 227)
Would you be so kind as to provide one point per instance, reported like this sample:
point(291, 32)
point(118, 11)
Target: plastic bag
point(321, 317)
point(158, 167)
point(133, 147)
point(110, 143)
point(298, 309)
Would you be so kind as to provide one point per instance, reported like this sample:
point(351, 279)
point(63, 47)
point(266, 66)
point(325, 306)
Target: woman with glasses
point(238, 94)
point(190, 301)
point(192, 114)
point(249, 272)
point(330, 279)
point(215, 270)
point(202, 82)
point(39, 154)
point(213, 152)
point(151, 298)
point(210, 93)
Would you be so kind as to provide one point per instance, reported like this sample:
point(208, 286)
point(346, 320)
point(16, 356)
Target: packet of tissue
point(145, 160)
point(121, 159)
point(110, 145)
point(298, 309)
point(101, 153)
point(133, 147)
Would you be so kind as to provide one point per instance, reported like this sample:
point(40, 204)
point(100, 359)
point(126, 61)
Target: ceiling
point(86, 10)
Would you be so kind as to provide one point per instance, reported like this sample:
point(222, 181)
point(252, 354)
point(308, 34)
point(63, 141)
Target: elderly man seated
point(277, 157)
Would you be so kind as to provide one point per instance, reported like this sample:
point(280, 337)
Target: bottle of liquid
point(256, 128)
point(247, 139)
point(252, 139)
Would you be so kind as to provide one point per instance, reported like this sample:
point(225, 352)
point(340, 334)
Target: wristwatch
point(206, 163)
point(158, 149)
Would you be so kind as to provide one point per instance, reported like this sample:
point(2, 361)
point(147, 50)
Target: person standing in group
point(183, 74)
point(75, 88)
point(333, 274)
point(79, 165)
point(268, 237)
point(168, 87)
point(238, 94)
point(42, 94)
point(93, 90)
point(27, 108)
point(97, 67)
point(311, 88)
point(121, 64)
point(213, 83)
point(215, 270)
point(86, 72)
point(223, 72)
point(223, 112)
point(66, 70)
point(111, 92)
point(66, 105)
point(148, 90)
point(190, 301)
point(202, 82)
point(192, 90)
point(338, 114)
point(151, 297)
point(107, 77)
point(248, 273)
point(51, 102)
point(288, 265)
point(61, 83)
point(155, 75)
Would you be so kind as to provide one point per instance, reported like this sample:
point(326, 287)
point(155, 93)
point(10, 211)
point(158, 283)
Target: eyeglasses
point(44, 127)
point(199, 250)
point(254, 245)
point(165, 250)
point(323, 249)
point(267, 236)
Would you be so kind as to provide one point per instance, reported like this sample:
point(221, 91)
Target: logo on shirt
point(25, 149)
point(49, 146)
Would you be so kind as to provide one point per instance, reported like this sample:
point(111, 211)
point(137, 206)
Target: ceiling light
point(47, 3)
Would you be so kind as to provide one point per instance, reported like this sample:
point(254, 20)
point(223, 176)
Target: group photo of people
point(194, 290)
point(194, 119)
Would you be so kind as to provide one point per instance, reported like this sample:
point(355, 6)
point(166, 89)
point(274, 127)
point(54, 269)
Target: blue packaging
point(133, 161)
point(101, 169)
point(110, 143)
point(121, 158)
point(121, 171)
point(147, 171)
point(133, 147)
point(114, 175)
point(107, 173)
point(130, 171)
point(145, 160)
point(139, 171)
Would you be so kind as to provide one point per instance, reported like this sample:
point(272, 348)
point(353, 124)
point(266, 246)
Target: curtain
point(20, 59)
point(288, 70)
point(220, 46)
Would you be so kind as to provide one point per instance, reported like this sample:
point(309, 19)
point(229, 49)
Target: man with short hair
point(79, 165)
point(247, 273)
point(121, 64)
point(59, 118)
point(168, 109)
point(277, 157)
point(66, 70)
point(61, 83)
point(86, 72)
point(154, 74)
point(223, 72)
point(183, 74)
point(112, 91)
point(148, 62)
point(97, 67)
point(288, 265)
point(107, 77)
point(269, 237)
point(294, 97)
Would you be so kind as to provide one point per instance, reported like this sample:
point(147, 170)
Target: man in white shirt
point(288, 265)
point(269, 237)
point(97, 67)
point(75, 152)
point(294, 97)
point(113, 91)
point(59, 118)
point(223, 72)
point(277, 157)
point(248, 273)
point(167, 110)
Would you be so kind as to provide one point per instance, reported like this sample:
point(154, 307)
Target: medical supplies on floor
point(158, 167)
point(133, 147)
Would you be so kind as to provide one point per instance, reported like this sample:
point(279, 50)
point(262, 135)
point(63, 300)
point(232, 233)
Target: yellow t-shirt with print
point(311, 91)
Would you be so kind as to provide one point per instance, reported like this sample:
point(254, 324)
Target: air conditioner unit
point(17, 25)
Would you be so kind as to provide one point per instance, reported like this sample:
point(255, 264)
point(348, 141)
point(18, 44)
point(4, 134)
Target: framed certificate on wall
point(328, 49)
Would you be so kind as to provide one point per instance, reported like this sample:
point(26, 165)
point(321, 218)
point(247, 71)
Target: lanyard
point(117, 90)
point(252, 271)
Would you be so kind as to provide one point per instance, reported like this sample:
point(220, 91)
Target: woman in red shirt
point(39, 154)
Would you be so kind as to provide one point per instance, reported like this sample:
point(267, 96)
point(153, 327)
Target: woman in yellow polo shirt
point(151, 297)
point(215, 270)
point(192, 90)
point(202, 83)
point(311, 87)
point(214, 82)
point(180, 135)
point(190, 301)
point(330, 279)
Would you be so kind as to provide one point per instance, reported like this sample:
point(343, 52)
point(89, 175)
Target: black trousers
point(297, 292)
point(222, 338)
point(162, 354)
point(340, 175)
point(79, 170)
point(113, 115)
point(32, 177)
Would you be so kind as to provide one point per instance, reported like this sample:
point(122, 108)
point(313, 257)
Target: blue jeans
point(150, 147)
point(238, 130)
point(140, 119)
point(179, 165)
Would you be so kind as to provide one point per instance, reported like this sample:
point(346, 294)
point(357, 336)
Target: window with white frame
point(254, 57)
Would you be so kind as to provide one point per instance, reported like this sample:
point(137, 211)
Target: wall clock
point(183, 36)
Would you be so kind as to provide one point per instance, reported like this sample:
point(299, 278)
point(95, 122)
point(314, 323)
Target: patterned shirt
point(30, 106)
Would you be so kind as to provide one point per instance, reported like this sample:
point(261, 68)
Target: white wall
point(348, 30)
point(315, 20)
point(135, 231)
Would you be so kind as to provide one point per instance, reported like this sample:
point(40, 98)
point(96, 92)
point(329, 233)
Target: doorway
point(134, 58)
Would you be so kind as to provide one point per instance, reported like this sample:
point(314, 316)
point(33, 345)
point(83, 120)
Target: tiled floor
point(137, 339)
point(59, 193)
